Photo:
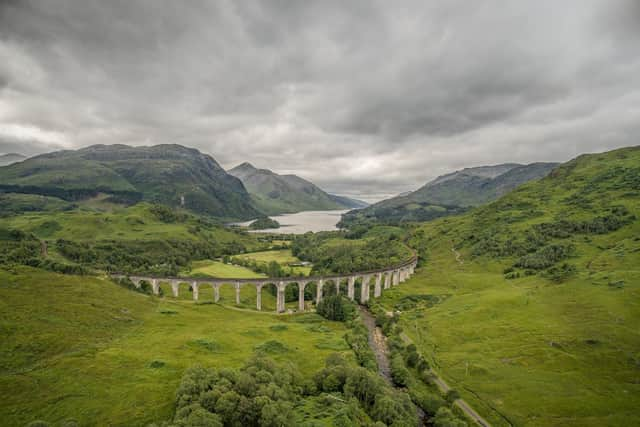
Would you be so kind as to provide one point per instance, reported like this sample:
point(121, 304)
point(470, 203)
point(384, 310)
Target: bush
point(399, 373)
point(336, 307)
point(445, 418)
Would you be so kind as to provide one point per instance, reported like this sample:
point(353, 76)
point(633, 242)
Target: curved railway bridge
point(380, 279)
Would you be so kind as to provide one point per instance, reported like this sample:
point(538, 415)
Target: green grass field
point(210, 268)
point(281, 256)
point(132, 223)
point(83, 348)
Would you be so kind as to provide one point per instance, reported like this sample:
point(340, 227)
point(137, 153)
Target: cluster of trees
point(263, 223)
point(334, 255)
point(166, 214)
point(18, 247)
point(545, 257)
point(381, 402)
point(266, 393)
point(262, 393)
point(336, 307)
point(162, 257)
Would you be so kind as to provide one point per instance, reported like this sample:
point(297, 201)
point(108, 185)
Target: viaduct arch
point(380, 280)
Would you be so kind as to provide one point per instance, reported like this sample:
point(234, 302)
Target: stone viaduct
point(381, 279)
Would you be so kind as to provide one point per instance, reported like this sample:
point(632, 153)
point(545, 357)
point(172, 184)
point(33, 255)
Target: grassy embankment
point(539, 347)
point(83, 348)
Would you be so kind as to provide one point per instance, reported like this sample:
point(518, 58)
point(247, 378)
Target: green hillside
point(530, 306)
point(169, 174)
point(275, 194)
point(140, 238)
point(450, 194)
point(86, 350)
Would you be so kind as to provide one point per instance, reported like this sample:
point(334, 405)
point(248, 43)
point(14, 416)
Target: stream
point(378, 344)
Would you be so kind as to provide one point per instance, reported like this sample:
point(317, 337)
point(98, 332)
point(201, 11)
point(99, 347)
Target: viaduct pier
point(378, 279)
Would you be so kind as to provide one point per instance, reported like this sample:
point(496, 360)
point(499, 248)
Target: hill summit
point(274, 194)
point(169, 174)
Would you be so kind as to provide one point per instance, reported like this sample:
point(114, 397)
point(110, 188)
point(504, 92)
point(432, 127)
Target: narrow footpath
point(378, 344)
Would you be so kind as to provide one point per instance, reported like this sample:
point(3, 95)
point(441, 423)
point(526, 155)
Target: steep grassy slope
point(167, 174)
point(9, 158)
point(530, 306)
point(85, 349)
point(450, 194)
point(274, 194)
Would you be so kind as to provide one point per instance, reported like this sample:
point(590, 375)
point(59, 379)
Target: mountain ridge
point(274, 193)
point(169, 174)
point(451, 193)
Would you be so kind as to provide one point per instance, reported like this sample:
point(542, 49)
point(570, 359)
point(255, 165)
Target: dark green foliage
point(358, 340)
point(329, 256)
point(380, 401)
point(445, 418)
point(336, 307)
point(264, 223)
point(167, 214)
point(452, 395)
point(262, 393)
point(410, 302)
point(560, 273)
point(162, 257)
point(399, 373)
point(545, 257)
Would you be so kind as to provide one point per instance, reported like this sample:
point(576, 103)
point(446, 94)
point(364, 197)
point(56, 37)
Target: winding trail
point(444, 388)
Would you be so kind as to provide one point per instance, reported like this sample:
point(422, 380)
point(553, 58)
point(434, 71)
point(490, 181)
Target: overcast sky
point(364, 98)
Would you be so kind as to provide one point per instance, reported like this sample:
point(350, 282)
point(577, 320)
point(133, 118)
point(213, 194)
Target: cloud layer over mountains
point(365, 98)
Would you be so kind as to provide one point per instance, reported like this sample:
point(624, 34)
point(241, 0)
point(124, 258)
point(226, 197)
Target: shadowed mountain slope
point(275, 194)
point(451, 193)
point(168, 174)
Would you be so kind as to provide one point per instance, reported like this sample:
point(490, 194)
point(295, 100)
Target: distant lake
point(302, 222)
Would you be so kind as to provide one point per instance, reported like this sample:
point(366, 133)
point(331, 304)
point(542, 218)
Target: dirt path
point(456, 254)
point(444, 388)
point(378, 344)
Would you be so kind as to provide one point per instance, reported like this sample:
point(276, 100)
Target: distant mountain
point(9, 158)
point(451, 193)
point(348, 202)
point(275, 194)
point(169, 174)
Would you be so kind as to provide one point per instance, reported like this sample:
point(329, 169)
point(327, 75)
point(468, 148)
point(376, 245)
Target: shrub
point(336, 307)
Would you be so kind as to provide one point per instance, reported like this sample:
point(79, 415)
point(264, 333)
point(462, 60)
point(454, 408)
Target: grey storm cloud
point(365, 98)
